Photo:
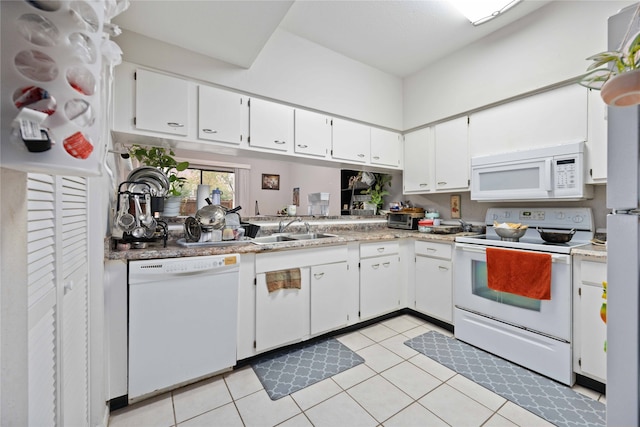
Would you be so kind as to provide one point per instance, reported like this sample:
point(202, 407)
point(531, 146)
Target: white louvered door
point(42, 300)
point(72, 257)
point(58, 300)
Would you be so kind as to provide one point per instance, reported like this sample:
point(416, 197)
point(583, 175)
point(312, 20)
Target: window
point(224, 180)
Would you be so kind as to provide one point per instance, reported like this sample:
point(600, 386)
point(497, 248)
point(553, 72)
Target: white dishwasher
point(182, 320)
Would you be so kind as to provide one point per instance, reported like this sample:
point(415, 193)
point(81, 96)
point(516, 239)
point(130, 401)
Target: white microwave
point(547, 173)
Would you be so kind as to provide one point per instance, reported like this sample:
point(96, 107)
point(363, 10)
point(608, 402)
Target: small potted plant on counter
point(378, 190)
point(162, 158)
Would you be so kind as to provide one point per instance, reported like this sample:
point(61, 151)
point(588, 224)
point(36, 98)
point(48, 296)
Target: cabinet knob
point(175, 124)
point(209, 131)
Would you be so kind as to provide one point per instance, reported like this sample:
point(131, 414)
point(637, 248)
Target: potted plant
point(378, 190)
point(162, 158)
point(616, 74)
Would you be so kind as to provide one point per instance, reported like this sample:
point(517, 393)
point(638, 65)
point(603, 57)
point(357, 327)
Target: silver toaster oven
point(405, 221)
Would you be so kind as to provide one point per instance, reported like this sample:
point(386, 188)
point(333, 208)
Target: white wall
point(289, 69)
point(546, 47)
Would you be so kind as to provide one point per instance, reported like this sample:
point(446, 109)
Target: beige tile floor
point(396, 386)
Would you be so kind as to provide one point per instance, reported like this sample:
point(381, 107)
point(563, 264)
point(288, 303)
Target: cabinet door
point(270, 125)
point(418, 153)
point(219, 115)
point(162, 103)
point(596, 145)
point(312, 133)
point(452, 155)
point(350, 141)
point(328, 306)
point(386, 147)
point(593, 358)
point(379, 291)
point(434, 288)
point(547, 118)
point(282, 316)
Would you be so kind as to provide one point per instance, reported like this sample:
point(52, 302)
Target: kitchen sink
point(309, 236)
point(278, 238)
point(272, 239)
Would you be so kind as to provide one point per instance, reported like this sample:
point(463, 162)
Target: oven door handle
point(479, 249)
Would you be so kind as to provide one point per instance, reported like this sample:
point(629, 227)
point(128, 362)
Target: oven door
point(549, 317)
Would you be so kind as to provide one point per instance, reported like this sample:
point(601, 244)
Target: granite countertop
point(155, 250)
point(592, 251)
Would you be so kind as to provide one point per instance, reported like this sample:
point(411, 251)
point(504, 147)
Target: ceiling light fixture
point(481, 11)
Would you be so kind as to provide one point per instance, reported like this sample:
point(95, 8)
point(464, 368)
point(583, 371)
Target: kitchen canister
point(215, 196)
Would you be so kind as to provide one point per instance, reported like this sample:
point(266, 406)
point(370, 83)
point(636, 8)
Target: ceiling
point(399, 37)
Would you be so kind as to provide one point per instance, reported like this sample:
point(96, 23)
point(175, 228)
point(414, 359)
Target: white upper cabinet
point(270, 125)
point(162, 103)
point(350, 141)
point(436, 159)
point(312, 133)
point(452, 155)
point(417, 176)
point(596, 146)
point(549, 118)
point(220, 115)
point(386, 147)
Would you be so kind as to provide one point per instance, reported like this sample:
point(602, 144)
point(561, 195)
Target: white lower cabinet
point(329, 309)
point(589, 329)
point(379, 284)
point(434, 280)
point(282, 316)
point(287, 316)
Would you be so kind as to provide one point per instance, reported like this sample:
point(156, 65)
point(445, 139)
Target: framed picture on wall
point(270, 182)
point(455, 206)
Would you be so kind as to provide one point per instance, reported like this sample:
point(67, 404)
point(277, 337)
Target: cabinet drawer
point(593, 272)
point(436, 250)
point(368, 250)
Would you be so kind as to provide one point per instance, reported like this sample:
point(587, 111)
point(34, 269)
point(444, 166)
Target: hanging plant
point(617, 73)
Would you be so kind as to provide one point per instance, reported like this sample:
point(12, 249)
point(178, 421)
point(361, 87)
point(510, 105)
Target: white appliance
point(533, 333)
point(623, 249)
point(547, 173)
point(182, 320)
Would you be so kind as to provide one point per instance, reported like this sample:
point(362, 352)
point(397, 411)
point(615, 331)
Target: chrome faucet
point(281, 228)
point(466, 227)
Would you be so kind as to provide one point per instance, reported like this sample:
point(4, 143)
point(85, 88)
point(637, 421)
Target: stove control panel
point(559, 218)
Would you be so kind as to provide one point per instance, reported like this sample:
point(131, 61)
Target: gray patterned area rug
point(546, 398)
point(288, 371)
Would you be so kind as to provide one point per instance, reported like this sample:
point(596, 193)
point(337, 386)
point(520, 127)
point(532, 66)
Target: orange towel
point(521, 273)
point(283, 279)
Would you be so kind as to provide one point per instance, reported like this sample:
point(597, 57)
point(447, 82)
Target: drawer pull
point(381, 249)
point(209, 131)
point(431, 250)
point(318, 275)
point(386, 264)
point(175, 124)
point(443, 268)
point(424, 185)
point(375, 266)
point(376, 157)
point(360, 155)
point(442, 182)
point(303, 146)
point(277, 141)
